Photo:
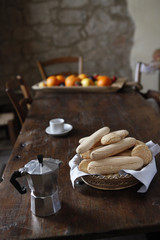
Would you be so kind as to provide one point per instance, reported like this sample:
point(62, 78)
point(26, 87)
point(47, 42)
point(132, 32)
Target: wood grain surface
point(86, 213)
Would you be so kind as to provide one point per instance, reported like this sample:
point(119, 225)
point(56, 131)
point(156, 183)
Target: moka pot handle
point(16, 184)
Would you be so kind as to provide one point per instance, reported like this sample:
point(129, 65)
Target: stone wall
point(99, 30)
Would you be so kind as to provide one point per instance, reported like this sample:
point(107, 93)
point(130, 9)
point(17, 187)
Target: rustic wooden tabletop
point(86, 213)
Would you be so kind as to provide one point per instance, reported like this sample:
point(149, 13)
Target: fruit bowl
point(114, 87)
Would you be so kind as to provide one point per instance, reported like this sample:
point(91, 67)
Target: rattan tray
point(110, 182)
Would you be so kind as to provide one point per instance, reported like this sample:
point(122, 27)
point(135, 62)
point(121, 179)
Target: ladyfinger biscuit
point(138, 142)
point(125, 153)
point(143, 152)
point(90, 141)
point(82, 139)
point(83, 165)
point(114, 164)
point(87, 154)
point(96, 144)
point(114, 137)
point(113, 149)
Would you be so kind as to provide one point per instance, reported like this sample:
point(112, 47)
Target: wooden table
point(86, 213)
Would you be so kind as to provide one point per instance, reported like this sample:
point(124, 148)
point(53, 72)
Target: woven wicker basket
point(110, 182)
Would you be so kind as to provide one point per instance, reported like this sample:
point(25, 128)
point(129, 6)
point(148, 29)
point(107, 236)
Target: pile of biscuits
point(106, 152)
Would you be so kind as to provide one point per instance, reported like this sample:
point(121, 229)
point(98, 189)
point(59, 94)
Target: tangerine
point(82, 76)
point(70, 80)
point(104, 81)
point(52, 81)
point(60, 78)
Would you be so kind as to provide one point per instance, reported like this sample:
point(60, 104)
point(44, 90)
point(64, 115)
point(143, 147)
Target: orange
point(70, 80)
point(104, 81)
point(60, 78)
point(52, 81)
point(82, 76)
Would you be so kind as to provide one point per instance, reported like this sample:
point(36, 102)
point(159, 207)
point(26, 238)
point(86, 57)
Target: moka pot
point(42, 177)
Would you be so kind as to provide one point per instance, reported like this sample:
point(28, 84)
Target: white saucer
point(67, 129)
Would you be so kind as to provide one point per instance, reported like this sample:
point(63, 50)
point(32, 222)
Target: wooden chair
point(136, 84)
point(20, 102)
point(145, 68)
point(153, 97)
point(150, 94)
point(42, 65)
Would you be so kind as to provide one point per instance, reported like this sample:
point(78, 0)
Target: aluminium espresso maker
point(42, 177)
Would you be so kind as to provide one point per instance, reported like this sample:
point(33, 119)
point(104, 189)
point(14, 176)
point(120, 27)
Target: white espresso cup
point(56, 125)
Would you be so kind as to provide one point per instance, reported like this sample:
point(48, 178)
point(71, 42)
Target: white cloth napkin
point(145, 175)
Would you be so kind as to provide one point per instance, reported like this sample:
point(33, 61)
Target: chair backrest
point(148, 68)
point(24, 88)
point(138, 72)
point(145, 68)
point(20, 102)
point(42, 65)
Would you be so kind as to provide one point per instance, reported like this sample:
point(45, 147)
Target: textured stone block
point(46, 30)
point(68, 16)
point(36, 13)
point(66, 36)
point(74, 3)
point(103, 3)
point(100, 23)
